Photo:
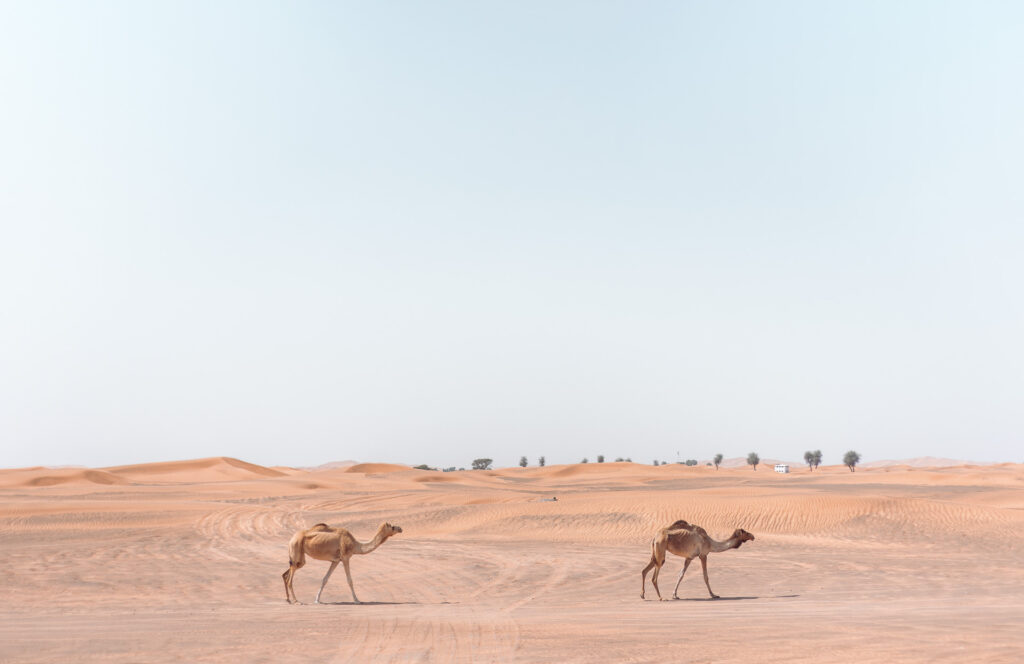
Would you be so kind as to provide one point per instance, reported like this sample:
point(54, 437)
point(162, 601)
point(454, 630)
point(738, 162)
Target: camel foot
point(662, 599)
point(715, 597)
point(675, 596)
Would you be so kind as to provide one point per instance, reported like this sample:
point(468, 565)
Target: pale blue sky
point(429, 232)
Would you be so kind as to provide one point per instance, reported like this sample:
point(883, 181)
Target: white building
point(781, 468)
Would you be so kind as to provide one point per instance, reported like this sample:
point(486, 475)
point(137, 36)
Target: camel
point(323, 542)
point(687, 541)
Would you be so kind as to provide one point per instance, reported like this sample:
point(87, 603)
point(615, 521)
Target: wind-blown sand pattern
point(182, 561)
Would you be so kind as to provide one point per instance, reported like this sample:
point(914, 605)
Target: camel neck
point(731, 543)
point(367, 547)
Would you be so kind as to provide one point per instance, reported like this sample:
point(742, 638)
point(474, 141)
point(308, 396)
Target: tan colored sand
point(182, 561)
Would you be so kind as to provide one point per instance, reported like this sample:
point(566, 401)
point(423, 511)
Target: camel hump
point(321, 526)
point(680, 524)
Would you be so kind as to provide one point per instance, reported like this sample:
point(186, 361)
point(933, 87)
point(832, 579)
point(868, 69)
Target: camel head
point(388, 530)
point(741, 536)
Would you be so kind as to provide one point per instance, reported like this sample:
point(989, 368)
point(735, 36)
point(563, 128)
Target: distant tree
point(691, 462)
point(540, 462)
point(450, 469)
point(424, 466)
point(718, 460)
point(851, 459)
point(817, 458)
point(523, 462)
point(600, 458)
point(584, 460)
point(655, 462)
point(628, 460)
point(809, 459)
point(482, 464)
point(708, 464)
point(753, 460)
point(618, 459)
point(664, 463)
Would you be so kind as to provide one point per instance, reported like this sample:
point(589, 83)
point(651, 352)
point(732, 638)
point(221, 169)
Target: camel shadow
point(366, 603)
point(724, 599)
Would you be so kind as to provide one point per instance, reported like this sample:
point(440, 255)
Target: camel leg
point(675, 593)
point(287, 595)
point(704, 565)
point(348, 573)
point(289, 592)
point(654, 580)
point(643, 577)
point(334, 563)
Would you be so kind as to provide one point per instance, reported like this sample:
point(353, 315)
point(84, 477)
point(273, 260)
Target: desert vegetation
point(812, 459)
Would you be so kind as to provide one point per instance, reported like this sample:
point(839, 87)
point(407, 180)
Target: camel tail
point(296, 552)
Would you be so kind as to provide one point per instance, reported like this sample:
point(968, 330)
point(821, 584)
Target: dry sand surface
point(182, 561)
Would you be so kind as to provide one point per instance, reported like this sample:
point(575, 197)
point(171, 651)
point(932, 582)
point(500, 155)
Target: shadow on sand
point(722, 599)
point(375, 603)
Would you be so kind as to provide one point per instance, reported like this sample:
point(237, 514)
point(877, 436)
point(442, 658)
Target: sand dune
point(375, 468)
point(211, 469)
point(40, 476)
point(182, 561)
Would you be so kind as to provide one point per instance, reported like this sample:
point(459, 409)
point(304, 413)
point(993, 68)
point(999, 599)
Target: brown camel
point(323, 542)
point(689, 542)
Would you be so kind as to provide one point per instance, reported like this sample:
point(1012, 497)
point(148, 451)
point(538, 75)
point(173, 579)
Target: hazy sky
point(429, 232)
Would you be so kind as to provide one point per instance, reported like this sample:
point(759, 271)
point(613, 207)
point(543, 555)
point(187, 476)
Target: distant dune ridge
point(330, 465)
point(923, 462)
point(228, 469)
point(211, 469)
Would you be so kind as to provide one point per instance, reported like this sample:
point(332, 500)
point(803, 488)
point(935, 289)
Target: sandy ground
point(182, 562)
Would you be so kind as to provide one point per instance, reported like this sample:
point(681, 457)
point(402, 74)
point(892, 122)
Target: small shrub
point(540, 462)
point(600, 458)
point(523, 462)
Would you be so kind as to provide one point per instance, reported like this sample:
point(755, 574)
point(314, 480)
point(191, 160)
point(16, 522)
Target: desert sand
point(182, 561)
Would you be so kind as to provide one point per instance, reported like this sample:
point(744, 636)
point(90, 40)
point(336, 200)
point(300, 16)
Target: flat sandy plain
point(182, 561)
